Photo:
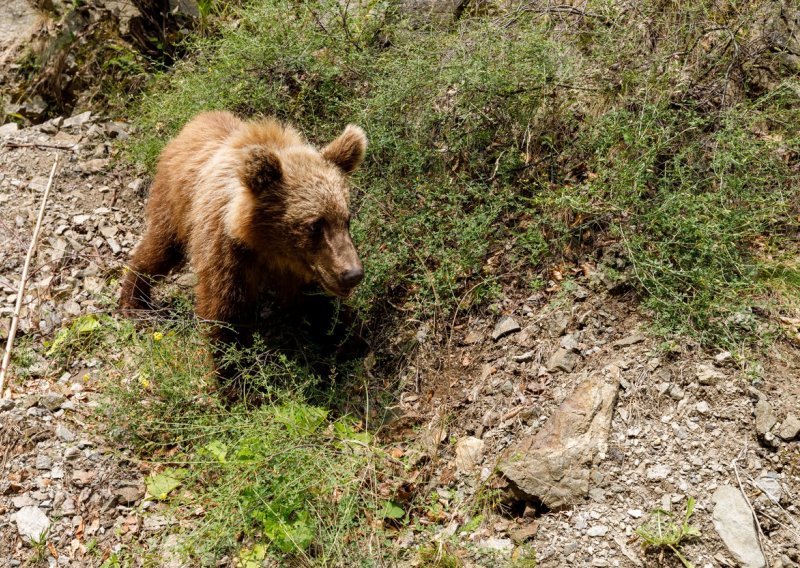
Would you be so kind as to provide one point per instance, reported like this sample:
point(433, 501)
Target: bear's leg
point(223, 303)
point(156, 255)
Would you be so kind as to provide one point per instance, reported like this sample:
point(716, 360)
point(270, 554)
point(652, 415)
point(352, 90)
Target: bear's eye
point(315, 228)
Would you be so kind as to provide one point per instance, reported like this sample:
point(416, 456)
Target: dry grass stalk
point(12, 331)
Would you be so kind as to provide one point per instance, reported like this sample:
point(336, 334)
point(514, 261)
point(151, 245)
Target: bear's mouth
point(331, 286)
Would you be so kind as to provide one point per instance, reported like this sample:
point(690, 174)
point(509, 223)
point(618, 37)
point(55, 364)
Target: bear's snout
point(351, 277)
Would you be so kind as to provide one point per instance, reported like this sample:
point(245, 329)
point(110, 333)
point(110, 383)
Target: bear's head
point(296, 211)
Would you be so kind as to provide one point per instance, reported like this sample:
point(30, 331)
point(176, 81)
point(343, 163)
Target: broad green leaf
point(251, 558)
point(301, 418)
point(392, 510)
point(218, 450)
point(290, 535)
point(81, 326)
point(160, 485)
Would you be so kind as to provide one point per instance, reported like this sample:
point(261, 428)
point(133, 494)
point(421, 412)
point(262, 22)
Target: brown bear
point(253, 207)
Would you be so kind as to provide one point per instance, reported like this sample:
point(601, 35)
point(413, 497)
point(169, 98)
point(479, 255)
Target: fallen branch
point(12, 331)
point(37, 145)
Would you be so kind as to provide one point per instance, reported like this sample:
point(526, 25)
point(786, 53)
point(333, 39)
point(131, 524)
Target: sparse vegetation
point(286, 476)
point(662, 532)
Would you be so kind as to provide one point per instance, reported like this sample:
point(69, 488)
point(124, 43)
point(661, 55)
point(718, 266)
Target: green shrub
point(505, 132)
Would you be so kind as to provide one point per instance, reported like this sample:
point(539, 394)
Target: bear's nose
point(352, 276)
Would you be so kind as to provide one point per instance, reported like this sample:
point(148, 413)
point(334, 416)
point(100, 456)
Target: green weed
point(286, 475)
point(661, 531)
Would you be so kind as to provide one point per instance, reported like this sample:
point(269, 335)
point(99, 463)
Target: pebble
point(597, 530)
point(473, 337)
point(469, 454)
point(129, 495)
point(765, 417)
point(629, 340)
point(524, 358)
point(658, 472)
point(32, 522)
point(65, 434)
point(707, 375)
point(505, 326)
point(563, 360)
point(43, 461)
point(790, 429)
point(51, 401)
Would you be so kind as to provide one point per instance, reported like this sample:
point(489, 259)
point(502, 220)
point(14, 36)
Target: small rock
point(765, 417)
point(708, 375)
point(524, 358)
point(790, 429)
point(473, 337)
point(505, 326)
point(676, 393)
point(597, 494)
point(770, 440)
point(6, 404)
point(554, 465)
point(94, 166)
point(636, 513)
point(733, 521)
point(721, 359)
point(129, 495)
point(24, 500)
point(569, 342)
point(48, 128)
point(82, 478)
point(493, 543)
point(558, 325)
point(9, 128)
point(32, 523)
point(629, 340)
point(563, 360)
point(64, 434)
point(702, 407)
point(658, 472)
point(524, 533)
point(71, 453)
point(770, 484)
point(77, 120)
point(51, 401)
point(43, 461)
point(580, 294)
point(469, 454)
point(597, 530)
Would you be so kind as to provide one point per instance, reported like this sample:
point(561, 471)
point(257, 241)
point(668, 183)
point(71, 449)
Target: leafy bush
point(505, 130)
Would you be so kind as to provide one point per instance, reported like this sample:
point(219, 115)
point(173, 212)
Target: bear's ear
point(260, 169)
point(347, 151)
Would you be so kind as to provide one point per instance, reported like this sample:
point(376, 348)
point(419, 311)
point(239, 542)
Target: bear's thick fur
point(252, 206)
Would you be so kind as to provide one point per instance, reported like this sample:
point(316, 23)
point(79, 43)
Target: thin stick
point(12, 144)
point(759, 532)
point(12, 332)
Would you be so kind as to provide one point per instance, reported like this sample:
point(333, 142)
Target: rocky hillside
point(577, 344)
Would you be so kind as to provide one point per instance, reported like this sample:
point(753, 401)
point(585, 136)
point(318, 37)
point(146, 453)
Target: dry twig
point(12, 331)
